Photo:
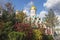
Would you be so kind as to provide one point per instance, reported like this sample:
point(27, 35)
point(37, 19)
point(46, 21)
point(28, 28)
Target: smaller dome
point(33, 7)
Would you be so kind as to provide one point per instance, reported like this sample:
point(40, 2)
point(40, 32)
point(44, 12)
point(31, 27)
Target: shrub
point(37, 34)
point(47, 37)
point(16, 35)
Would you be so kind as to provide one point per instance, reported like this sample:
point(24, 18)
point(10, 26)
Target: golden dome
point(33, 8)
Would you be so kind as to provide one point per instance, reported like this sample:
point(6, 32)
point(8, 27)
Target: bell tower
point(32, 11)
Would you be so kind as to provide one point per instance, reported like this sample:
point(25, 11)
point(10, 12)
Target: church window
point(35, 18)
point(39, 18)
point(33, 11)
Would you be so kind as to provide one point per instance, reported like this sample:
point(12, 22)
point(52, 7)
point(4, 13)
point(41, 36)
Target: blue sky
point(42, 5)
point(20, 4)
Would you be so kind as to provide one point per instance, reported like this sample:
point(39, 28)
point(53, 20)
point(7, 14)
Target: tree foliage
point(16, 35)
point(20, 16)
point(6, 24)
point(37, 34)
point(51, 19)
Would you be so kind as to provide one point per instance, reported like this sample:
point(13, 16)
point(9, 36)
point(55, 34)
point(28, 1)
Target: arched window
point(35, 18)
point(39, 18)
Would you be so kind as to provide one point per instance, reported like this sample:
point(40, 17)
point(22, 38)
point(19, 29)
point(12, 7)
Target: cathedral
point(36, 21)
point(33, 17)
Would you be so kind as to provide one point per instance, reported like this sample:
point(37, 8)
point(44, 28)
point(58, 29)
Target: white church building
point(33, 17)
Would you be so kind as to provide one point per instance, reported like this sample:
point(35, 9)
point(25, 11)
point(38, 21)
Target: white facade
point(32, 13)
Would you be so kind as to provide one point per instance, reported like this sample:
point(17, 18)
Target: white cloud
point(25, 11)
point(42, 14)
point(53, 4)
point(27, 7)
